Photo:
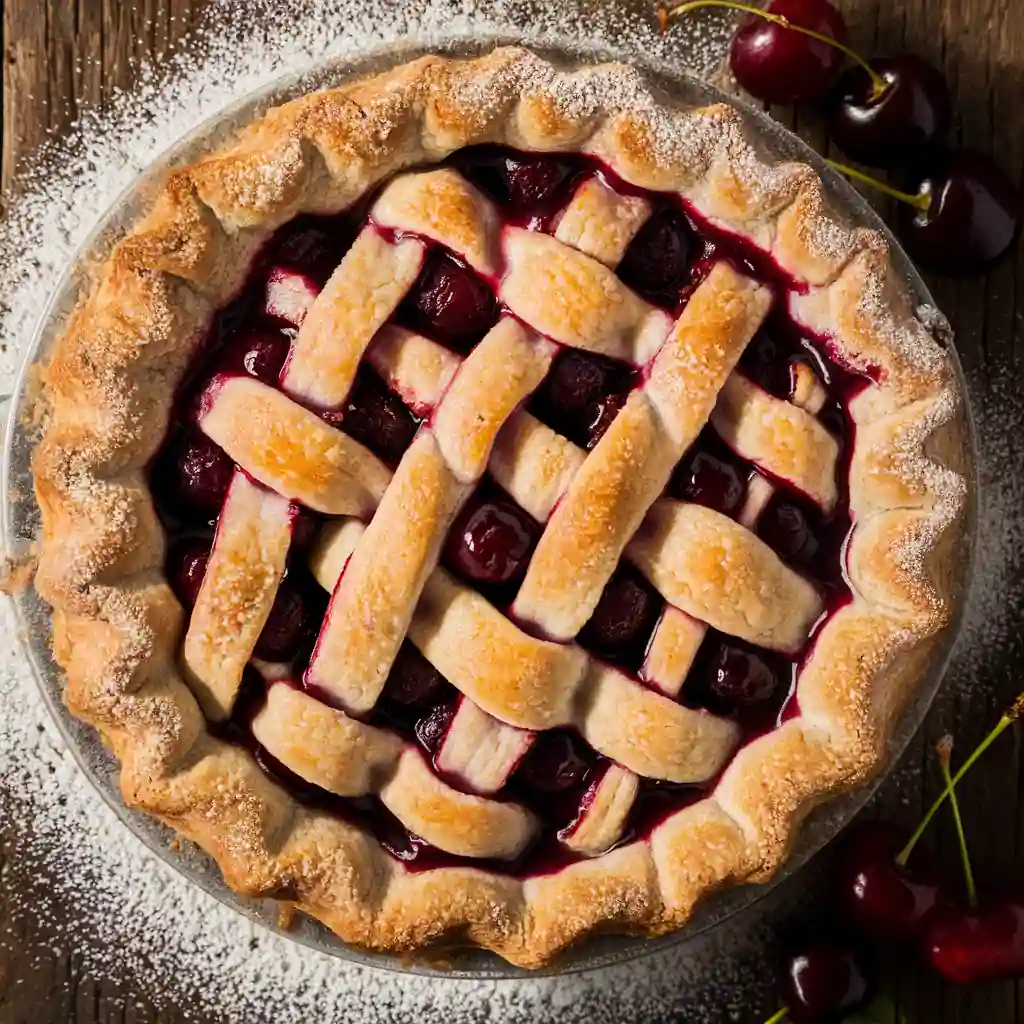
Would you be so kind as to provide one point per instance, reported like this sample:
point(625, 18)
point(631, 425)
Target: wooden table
point(62, 56)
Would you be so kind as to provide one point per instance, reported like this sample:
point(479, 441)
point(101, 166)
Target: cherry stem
point(945, 749)
point(879, 86)
point(775, 1018)
point(922, 200)
point(1004, 723)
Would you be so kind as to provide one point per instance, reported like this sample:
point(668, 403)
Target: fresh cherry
point(553, 764)
point(377, 418)
point(491, 541)
point(965, 946)
point(656, 261)
point(740, 678)
point(624, 617)
point(781, 65)
point(285, 625)
point(876, 893)
point(886, 127)
point(259, 351)
point(186, 567)
point(969, 216)
point(706, 480)
point(450, 303)
point(198, 476)
point(824, 982)
point(430, 729)
point(413, 681)
point(534, 183)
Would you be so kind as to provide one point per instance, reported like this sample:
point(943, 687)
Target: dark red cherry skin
point(624, 617)
point(740, 678)
point(974, 217)
point(450, 303)
point(878, 896)
point(491, 541)
point(378, 418)
point(186, 567)
point(776, 64)
point(576, 381)
point(305, 526)
point(309, 250)
point(258, 351)
point(784, 528)
point(966, 946)
point(201, 474)
point(656, 261)
point(913, 112)
point(285, 625)
point(824, 982)
point(553, 764)
point(430, 729)
point(601, 414)
point(413, 681)
point(534, 183)
point(706, 480)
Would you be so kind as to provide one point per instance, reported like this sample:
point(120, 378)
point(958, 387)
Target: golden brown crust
point(117, 627)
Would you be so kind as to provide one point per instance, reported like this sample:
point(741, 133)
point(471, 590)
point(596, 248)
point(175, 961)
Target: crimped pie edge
point(117, 627)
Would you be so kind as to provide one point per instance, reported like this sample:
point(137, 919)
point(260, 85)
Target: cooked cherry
point(553, 764)
point(876, 894)
point(310, 250)
point(378, 418)
point(534, 183)
point(430, 729)
point(885, 130)
point(784, 528)
point(412, 680)
point(601, 414)
point(305, 526)
point(965, 946)
point(824, 982)
point(624, 617)
point(765, 363)
point(258, 351)
point(706, 480)
point(491, 541)
point(577, 380)
point(740, 678)
point(186, 567)
point(780, 65)
point(657, 259)
point(973, 214)
point(200, 474)
point(449, 302)
point(285, 625)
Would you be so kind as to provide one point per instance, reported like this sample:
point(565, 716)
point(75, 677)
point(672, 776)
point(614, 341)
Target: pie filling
point(248, 506)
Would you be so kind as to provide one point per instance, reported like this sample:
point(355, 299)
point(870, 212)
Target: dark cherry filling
point(376, 418)
point(710, 474)
point(492, 539)
point(450, 303)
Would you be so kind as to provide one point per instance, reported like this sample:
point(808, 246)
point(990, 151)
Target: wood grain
point(61, 57)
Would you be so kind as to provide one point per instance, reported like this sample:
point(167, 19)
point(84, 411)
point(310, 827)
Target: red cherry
point(553, 764)
point(824, 982)
point(877, 895)
point(656, 261)
point(534, 182)
point(450, 303)
point(258, 351)
point(601, 414)
point(706, 480)
point(977, 945)
point(412, 680)
point(780, 65)
point(884, 129)
point(430, 729)
point(741, 679)
point(377, 418)
point(784, 528)
point(491, 541)
point(972, 215)
point(186, 567)
point(200, 476)
point(625, 615)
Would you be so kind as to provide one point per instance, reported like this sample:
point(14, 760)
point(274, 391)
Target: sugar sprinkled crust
point(118, 628)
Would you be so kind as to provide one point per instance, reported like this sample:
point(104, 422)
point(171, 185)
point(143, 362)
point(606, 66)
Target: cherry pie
point(522, 550)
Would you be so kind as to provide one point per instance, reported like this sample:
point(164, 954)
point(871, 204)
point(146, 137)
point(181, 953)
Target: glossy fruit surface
point(739, 678)
point(981, 945)
point(534, 184)
point(657, 259)
point(625, 615)
point(913, 111)
point(707, 480)
point(974, 216)
point(284, 626)
point(491, 541)
point(878, 896)
point(200, 476)
point(258, 351)
point(412, 680)
point(824, 982)
point(784, 528)
point(378, 418)
point(186, 567)
point(780, 65)
point(553, 764)
point(450, 303)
